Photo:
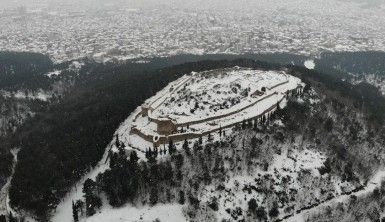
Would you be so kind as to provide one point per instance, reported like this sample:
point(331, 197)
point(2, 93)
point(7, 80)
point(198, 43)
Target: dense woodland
point(24, 70)
point(358, 63)
point(70, 135)
point(181, 176)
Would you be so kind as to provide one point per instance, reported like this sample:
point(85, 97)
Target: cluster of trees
point(22, 70)
point(359, 63)
point(365, 97)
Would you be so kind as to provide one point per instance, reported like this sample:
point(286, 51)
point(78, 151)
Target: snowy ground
point(372, 184)
point(235, 195)
point(309, 64)
point(39, 95)
point(164, 213)
point(4, 190)
point(377, 81)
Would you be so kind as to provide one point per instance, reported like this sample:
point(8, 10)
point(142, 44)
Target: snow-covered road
point(4, 190)
point(63, 211)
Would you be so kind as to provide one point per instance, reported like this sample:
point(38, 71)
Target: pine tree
point(278, 107)
point(134, 157)
point(274, 212)
point(92, 201)
point(153, 196)
point(182, 199)
point(147, 154)
point(209, 137)
point(117, 142)
point(171, 147)
point(186, 148)
point(75, 212)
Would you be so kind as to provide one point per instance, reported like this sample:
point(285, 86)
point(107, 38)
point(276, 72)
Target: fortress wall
point(164, 97)
point(279, 84)
point(159, 121)
point(224, 115)
point(144, 136)
point(182, 136)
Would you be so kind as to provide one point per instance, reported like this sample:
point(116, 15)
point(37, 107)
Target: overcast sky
point(153, 3)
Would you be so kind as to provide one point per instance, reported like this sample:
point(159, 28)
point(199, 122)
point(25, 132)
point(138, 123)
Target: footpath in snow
point(371, 185)
point(64, 209)
point(4, 190)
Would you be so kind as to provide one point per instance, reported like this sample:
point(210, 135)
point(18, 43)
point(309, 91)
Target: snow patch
point(166, 212)
point(309, 64)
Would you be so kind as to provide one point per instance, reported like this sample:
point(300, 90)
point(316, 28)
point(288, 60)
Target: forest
point(24, 70)
point(182, 176)
point(71, 135)
point(358, 63)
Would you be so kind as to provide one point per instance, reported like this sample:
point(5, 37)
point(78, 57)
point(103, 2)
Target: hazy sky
point(144, 3)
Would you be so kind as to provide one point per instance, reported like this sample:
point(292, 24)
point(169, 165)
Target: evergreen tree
point(209, 137)
point(186, 148)
point(153, 196)
point(117, 142)
point(252, 206)
point(181, 199)
point(134, 157)
point(91, 198)
point(261, 213)
point(75, 212)
point(3, 218)
point(243, 124)
point(80, 206)
point(274, 212)
point(11, 218)
point(278, 107)
point(171, 147)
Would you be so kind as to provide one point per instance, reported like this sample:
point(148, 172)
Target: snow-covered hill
point(299, 158)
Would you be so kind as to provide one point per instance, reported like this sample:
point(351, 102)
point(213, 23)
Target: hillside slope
point(324, 144)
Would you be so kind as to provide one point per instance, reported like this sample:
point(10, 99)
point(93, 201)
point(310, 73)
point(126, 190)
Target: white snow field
point(166, 213)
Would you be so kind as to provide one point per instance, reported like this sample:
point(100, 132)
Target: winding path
point(4, 190)
point(371, 185)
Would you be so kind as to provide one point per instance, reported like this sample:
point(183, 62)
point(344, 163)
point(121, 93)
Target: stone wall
point(226, 114)
point(183, 136)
